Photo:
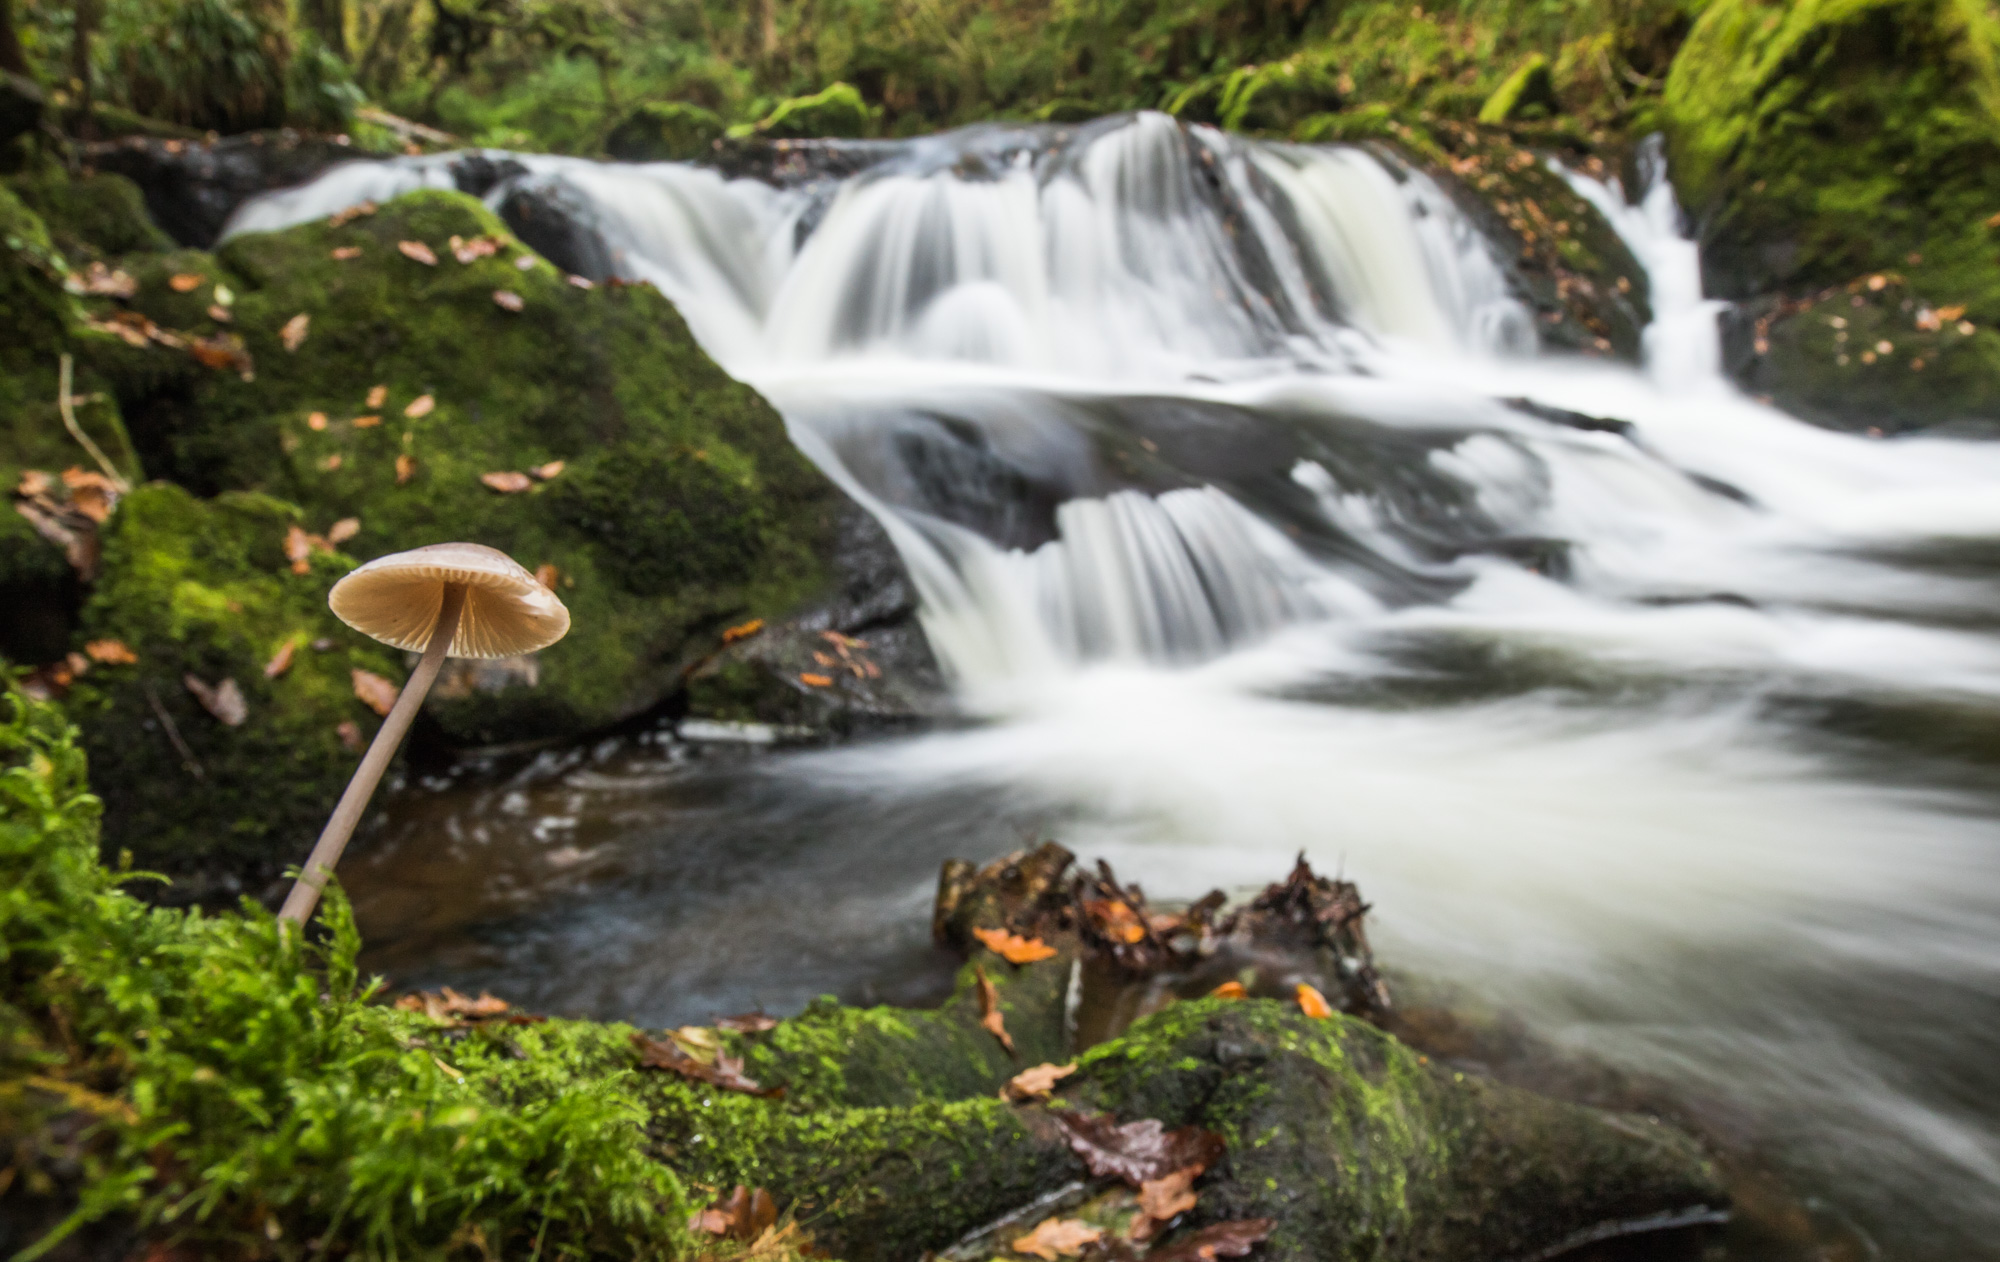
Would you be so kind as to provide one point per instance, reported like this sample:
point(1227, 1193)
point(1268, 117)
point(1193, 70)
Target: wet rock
point(192, 187)
point(554, 222)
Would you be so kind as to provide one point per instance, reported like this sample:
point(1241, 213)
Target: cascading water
point(1208, 460)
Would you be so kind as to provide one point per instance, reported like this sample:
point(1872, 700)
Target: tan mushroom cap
point(396, 599)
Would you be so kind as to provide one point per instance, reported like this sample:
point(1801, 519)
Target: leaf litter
point(726, 1072)
point(1055, 1238)
point(989, 1011)
point(1013, 948)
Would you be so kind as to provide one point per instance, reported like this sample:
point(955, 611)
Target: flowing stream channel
point(1676, 737)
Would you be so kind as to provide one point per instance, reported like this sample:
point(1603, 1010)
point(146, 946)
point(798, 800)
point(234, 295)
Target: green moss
point(835, 110)
point(661, 131)
point(92, 216)
point(1529, 89)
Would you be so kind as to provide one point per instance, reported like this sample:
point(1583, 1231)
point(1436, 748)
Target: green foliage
point(665, 131)
point(1528, 89)
point(241, 1093)
point(209, 64)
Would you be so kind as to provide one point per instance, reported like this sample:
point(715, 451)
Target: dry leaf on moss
point(406, 468)
point(1115, 919)
point(346, 253)
point(349, 733)
point(547, 471)
point(811, 680)
point(726, 1072)
point(743, 631)
point(508, 300)
point(1036, 1083)
point(1312, 1003)
point(185, 282)
point(110, 653)
point(418, 251)
point(369, 421)
point(375, 692)
point(1055, 1238)
point(223, 700)
point(1162, 1199)
point(421, 406)
point(293, 335)
point(316, 422)
point(1223, 1240)
point(343, 530)
point(742, 1216)
point(747, 1023)
point(281, 661)
point(1138, 1152)
point(1229, 990)
point(1013, 948)
point(989, 1012)
point(377, 396)
point(341, 218)
point(506, 483)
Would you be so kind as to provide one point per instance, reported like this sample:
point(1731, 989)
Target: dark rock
point(557, 224)
point(192, 187)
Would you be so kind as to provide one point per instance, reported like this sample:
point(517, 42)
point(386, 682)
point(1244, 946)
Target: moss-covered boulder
point(665, 131)
point(836, 111)
point(666, 496)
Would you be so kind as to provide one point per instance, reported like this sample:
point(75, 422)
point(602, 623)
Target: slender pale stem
point(305, 893)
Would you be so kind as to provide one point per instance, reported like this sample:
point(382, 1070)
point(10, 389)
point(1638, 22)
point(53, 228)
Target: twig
point(64, 401)
point(188, 759)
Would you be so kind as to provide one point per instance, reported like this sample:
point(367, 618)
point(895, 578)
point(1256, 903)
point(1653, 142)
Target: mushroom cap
point(396, 599)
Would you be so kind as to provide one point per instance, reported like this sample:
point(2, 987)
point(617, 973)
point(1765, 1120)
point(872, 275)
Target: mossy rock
point(93, 216)
point(665, 131)
point(204, 588)
point(1530, 92)
point(835, 112)
point(681, 505)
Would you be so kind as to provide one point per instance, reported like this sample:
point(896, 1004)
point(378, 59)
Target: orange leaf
point(377, 693)
point(1229, 990)
point(377, 396)
point(316, 422)
point(1012, 948)
point(419, 251)
point(343, 530)
point(110, 653)
point(1058, 1237)
point(346, 252)
point(298, 549)
point(1036, 1083)
point(507, 300)
point(281, 661)
point(743, 631)
point(293, 335)
point(547, 575)
point(220, 314)
point(506, 483)
point(989, 1012)
point(546, 471)
point(33, 482)
point(341, 218)
point(185, 282)
point(1312, 1003)
point(421, 406)
point(1162, 1198)
point(406, 468)
point(331, 463)
point(816, 681)
point(369, 421)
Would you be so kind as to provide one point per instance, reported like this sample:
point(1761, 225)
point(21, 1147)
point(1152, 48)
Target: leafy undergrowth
point(208, 1084)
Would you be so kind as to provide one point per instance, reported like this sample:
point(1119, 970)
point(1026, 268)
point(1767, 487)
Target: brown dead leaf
point(418, 251)
point(99, 281)
point(298, 549)
point(316, 422)
point(369, 421)
point(743, 1215)
point(221, 314)
point(1036, 1083)
point(726, 1072)
point(506, 483)
point(332, 463)
point(811, 680)
point(92, 494)
point(583, 282)
point(1231, 989)
point(343, 530)
point(341, 218)
point(743, 631)
point(33, 482)
point(1138, 1152)
point(293, 335)
point(546, 574)
point(1115, 919)
point(225, 350)
point(406, 468)
point(1172, 1194)
point(1013, 948)
point(1055, 1238)
point(346, 253)
point(377, 396)
point(377, 693)
point(421, 406)
point(185, 282)
point(223, 700)
point(525, 263)
point(349, 733)
point(1222, 1240)
point(547, 471)
point(508, 300)
point(747, 1023)
point(281, 661)
point(989, 1012)
point(1312, 1003)
point(110, 653)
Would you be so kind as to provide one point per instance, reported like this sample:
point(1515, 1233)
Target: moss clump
point(836, 110)
point(1529, 92)
point(665, 131)
point(92, 216)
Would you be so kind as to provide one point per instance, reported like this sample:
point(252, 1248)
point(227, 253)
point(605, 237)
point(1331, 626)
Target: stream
point(1209, 458)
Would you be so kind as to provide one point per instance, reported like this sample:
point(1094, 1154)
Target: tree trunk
point(88, 13)
point(11, 59)
point(328, 20)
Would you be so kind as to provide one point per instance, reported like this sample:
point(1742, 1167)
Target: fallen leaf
point(506, 483)
point(341, 218)
point(377, 396)
point(224, 295)
point(546, 574)
point(78, 664)
point(316, 422)
point(1312, 1003)
point(343, 530)
point(525, 263)
point(369, 421)
point(816, 681)
point(552, 469)
point(224, 350)
point(1138, 1152)
point(110, 653)
point(418, 251)
point(1036, 1083)
point(33, 482)
point(298, 549)
point(1055, 1238)
point(1223, 1240)
point(486, 1005)
point(583, 282)
point(989, 1012)
point(1114, 919)
point(346, 253)
point(743, 631)
point(406, 467)
point(220, 314)
point(1013, 948)
point(508, 300)
point(747, 1023)
point(281, 661)
point(420, 407)
point(223, 700)
point(726, 1072)
point(185, 282)
point(742, 1216)
point(293, 335)
point(349, 733)
point(92, 494)
point(1169, 1195)
point(100, 281)
point(1229, 990)
point(377, 693)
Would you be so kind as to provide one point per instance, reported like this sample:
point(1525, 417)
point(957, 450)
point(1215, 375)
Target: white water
point(1195, 449)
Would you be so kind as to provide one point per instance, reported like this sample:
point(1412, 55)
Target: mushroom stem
point(305, 893)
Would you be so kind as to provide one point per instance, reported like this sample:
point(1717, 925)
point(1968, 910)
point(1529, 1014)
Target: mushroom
point(447, 600)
